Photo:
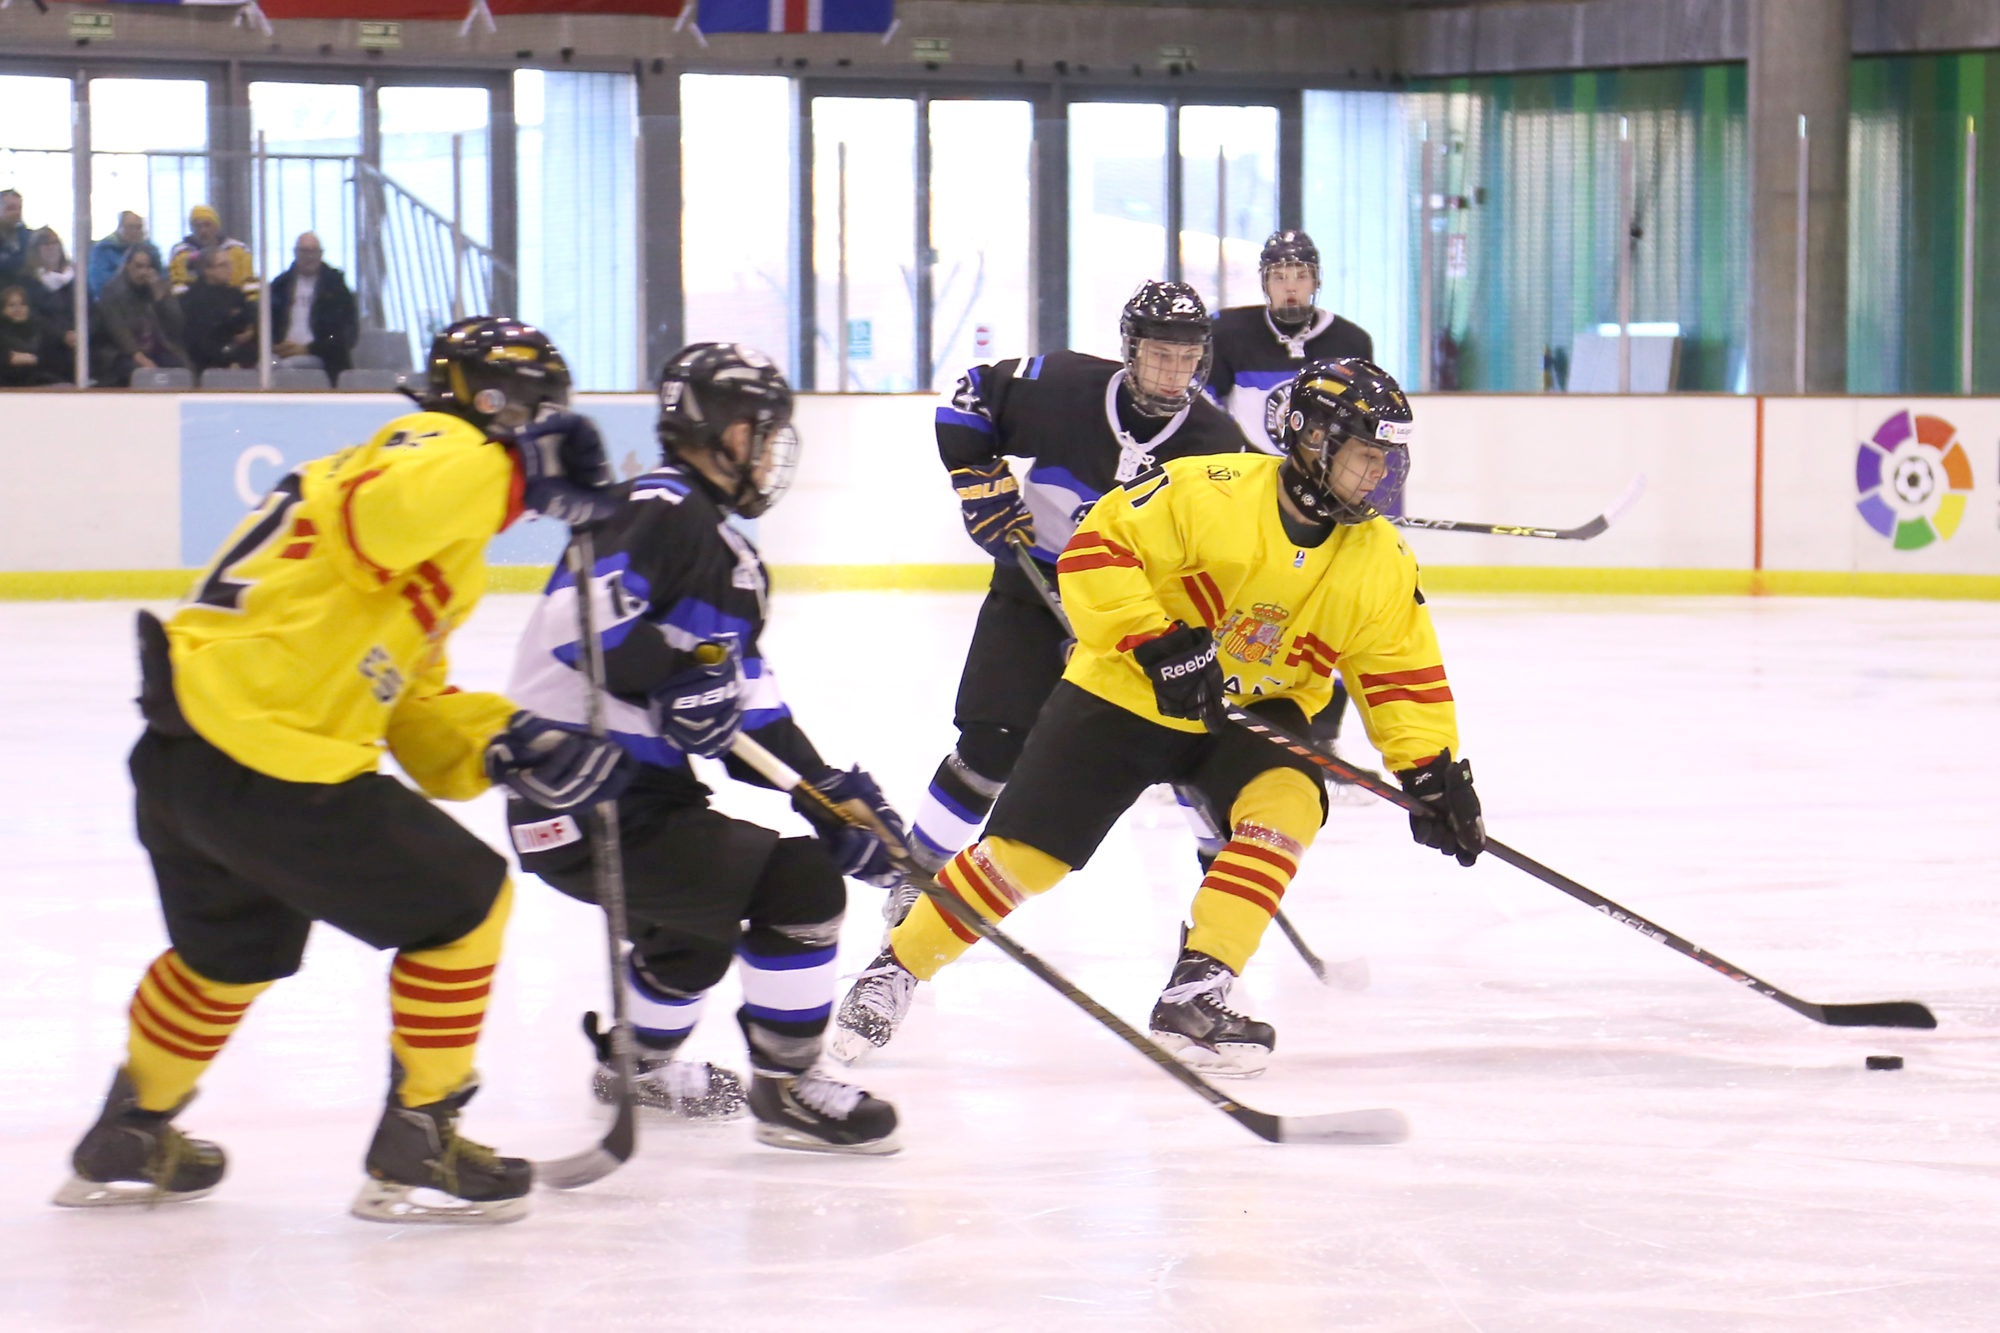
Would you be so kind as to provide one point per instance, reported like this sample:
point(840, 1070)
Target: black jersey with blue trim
point(1076, 438)
point(1253, 356)
point(671, 575)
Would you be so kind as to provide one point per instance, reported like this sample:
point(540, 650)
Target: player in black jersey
point(1258, 349)
point(681, 598)
point(1082, 426)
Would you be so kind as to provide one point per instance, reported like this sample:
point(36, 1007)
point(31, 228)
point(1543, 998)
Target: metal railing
point(413, 269)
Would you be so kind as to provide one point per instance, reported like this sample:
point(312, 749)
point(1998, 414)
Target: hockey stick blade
point(592, 1164)
point(1582, 532)
point(1885, 1014)
point(1356, 1127)
point(1311, 959)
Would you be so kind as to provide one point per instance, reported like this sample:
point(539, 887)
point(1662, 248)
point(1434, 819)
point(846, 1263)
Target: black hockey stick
point(1882, 1014)
point(1053, 601)
point(1378, 1125)
point(608, 868)
point(1583, 532)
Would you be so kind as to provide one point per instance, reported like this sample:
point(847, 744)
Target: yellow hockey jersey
point(318, 634)
point(1200, 540)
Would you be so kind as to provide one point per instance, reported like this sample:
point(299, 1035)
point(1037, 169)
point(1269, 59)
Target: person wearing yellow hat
point(204, 234)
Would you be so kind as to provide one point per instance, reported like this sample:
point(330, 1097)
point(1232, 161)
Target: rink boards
point(1890, 496)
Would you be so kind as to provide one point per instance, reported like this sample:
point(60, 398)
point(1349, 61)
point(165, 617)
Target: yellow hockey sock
point(437, 999)
point(179, 1021)
point(994, 875)
point(1271, 825)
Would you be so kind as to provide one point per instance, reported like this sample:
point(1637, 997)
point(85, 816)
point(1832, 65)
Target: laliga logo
point(1913, 476)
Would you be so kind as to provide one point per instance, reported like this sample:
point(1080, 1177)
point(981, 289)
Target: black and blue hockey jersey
point(671, 575)
point(1075, 435)
point(1253, 356)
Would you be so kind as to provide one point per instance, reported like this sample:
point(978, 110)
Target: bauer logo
point(1914, 478)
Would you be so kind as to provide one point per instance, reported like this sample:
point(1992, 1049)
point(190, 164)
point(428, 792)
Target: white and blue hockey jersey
point(1253, 356)
point(671, 575)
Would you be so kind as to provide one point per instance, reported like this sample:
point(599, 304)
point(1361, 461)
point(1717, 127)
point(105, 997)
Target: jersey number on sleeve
point(217, 588)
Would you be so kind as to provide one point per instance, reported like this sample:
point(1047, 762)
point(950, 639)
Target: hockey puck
point(1884, 1062)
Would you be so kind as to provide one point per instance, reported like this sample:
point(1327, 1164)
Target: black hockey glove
point(700, 710)
point(568, 475)
point(989, 501)
point(1450, 819)
point(862, 853)
point(1186, 681)
point(559, 769)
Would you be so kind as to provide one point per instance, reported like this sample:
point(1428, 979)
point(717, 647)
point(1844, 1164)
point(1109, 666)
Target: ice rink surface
point(1608, 1136)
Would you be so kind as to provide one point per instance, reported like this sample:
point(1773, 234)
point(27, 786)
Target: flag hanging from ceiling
point(795, 15)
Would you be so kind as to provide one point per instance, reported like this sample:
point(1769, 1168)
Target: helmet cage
point(707, 389)
point(1282, 249)
point(1165, 312)
point(1330, 427)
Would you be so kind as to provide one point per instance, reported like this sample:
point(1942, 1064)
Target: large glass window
point(426, 278)
point(979, 234)
point(1357, 210)
point(1229, 199)
point(311, 134)
point(149, 146)
point(864, 243)
point(34, 154)
point(576, 143)
point(736, 210)
point(1117, 214)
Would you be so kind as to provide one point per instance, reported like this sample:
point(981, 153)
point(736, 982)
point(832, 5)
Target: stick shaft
point(1891, 1013)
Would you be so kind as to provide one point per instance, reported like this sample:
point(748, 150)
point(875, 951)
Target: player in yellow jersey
point(314, 643)
point(1236, 577)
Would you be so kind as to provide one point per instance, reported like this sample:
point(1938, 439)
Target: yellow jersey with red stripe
point(317, 636)
point(1200, 540)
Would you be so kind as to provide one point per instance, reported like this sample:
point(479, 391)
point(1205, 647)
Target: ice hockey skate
point(132, 1156)
point(692, 1090)
point(1194, 1021)
point(814, 1112)
point(873, 1010)
point(420, 1169)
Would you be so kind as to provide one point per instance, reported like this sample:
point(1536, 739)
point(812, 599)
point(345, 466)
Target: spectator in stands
point(205, 234)
point(52, 296)
point(17, 255)
point(221, 321)
point(107, 257)
point(314, 320)
point(23, 341)
point(140, 322)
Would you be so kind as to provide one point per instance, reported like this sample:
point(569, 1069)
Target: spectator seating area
point(381, 361)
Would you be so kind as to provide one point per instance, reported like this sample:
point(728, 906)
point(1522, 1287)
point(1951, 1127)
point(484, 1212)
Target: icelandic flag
point(796, 15)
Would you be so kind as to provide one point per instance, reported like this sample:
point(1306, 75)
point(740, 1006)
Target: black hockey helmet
point(495, 372)
point(1165, 312)
point(1338, 421)
point(1288, 247)
point(707, 387)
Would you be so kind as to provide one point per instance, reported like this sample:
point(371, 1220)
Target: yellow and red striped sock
point(1271, 825)
point(437, 999)
point(179, 1021)
point(994, 875)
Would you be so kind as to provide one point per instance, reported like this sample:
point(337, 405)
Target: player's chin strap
point(1882, 1014)
point(1368, 1126)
